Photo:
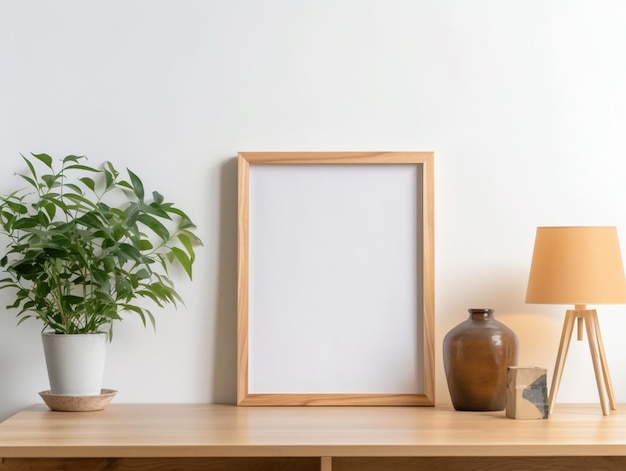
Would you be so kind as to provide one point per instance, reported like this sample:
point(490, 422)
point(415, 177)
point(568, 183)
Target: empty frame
point(335, 278)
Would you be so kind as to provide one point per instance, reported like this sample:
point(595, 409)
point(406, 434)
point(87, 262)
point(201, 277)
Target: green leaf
point(17, 207)
point(101, 277)
point(71, 300)
point(155, 225)
point(179, 213)
point(164, 292)
point(156, 209)
point(45, 158)
point(109, 179)
point(74, 188)
point(50, 180)
point(158, 197)
point(137, 184)
point(143, 313)
point(183, 259)
point(108, 166)
point(31, 167)
point(44, 221)
point(80, 201)
point(148, 294)
point(52, 252)
point(85, 168)
point(124, 184)
point(90, 220)
point(26, 223)
point(145, 245)
point(30, 181)
point(51, 210)
point(73, 158)
point(61, 240)
point(131, 252)
point(104, 296)
point(142, 274)
point(42, 290)
point(189, 241)
point(130, 214)
point(89, 183)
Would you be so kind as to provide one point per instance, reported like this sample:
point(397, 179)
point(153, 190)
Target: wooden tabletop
point(203, 430)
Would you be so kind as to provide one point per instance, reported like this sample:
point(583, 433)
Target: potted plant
point(83, 246)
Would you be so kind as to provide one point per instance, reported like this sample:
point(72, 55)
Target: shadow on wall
point(22, 366)
point(224, 373)
point(502, 288)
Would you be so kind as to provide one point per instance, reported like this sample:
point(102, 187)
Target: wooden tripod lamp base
point(587, 320)
point(579, 265)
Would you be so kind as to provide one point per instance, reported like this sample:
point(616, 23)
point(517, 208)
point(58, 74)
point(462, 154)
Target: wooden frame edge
point(242, 278)
point(426, 159)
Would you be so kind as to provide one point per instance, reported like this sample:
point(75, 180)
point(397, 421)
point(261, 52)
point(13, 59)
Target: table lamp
point(579, 266)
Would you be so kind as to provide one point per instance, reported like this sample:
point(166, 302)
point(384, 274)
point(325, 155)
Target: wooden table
point(220, 437)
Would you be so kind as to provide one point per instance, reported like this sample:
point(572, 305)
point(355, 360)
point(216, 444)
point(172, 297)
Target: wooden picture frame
point(295, 328)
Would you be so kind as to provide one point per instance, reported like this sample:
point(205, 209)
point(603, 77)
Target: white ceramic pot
point(75, 363)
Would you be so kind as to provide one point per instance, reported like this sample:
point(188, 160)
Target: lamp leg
point(592, 338)
point(608, 384)
point(566, 337)
point(605, 365)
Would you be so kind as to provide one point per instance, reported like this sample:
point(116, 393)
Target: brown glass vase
point(476, 354)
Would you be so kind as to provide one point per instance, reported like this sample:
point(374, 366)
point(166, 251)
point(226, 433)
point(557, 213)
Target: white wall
point(523, 103)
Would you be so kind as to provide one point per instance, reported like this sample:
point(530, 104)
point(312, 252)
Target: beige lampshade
point(576, 265)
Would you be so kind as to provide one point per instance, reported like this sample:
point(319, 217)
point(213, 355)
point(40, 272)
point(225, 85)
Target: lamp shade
point(576, 265)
